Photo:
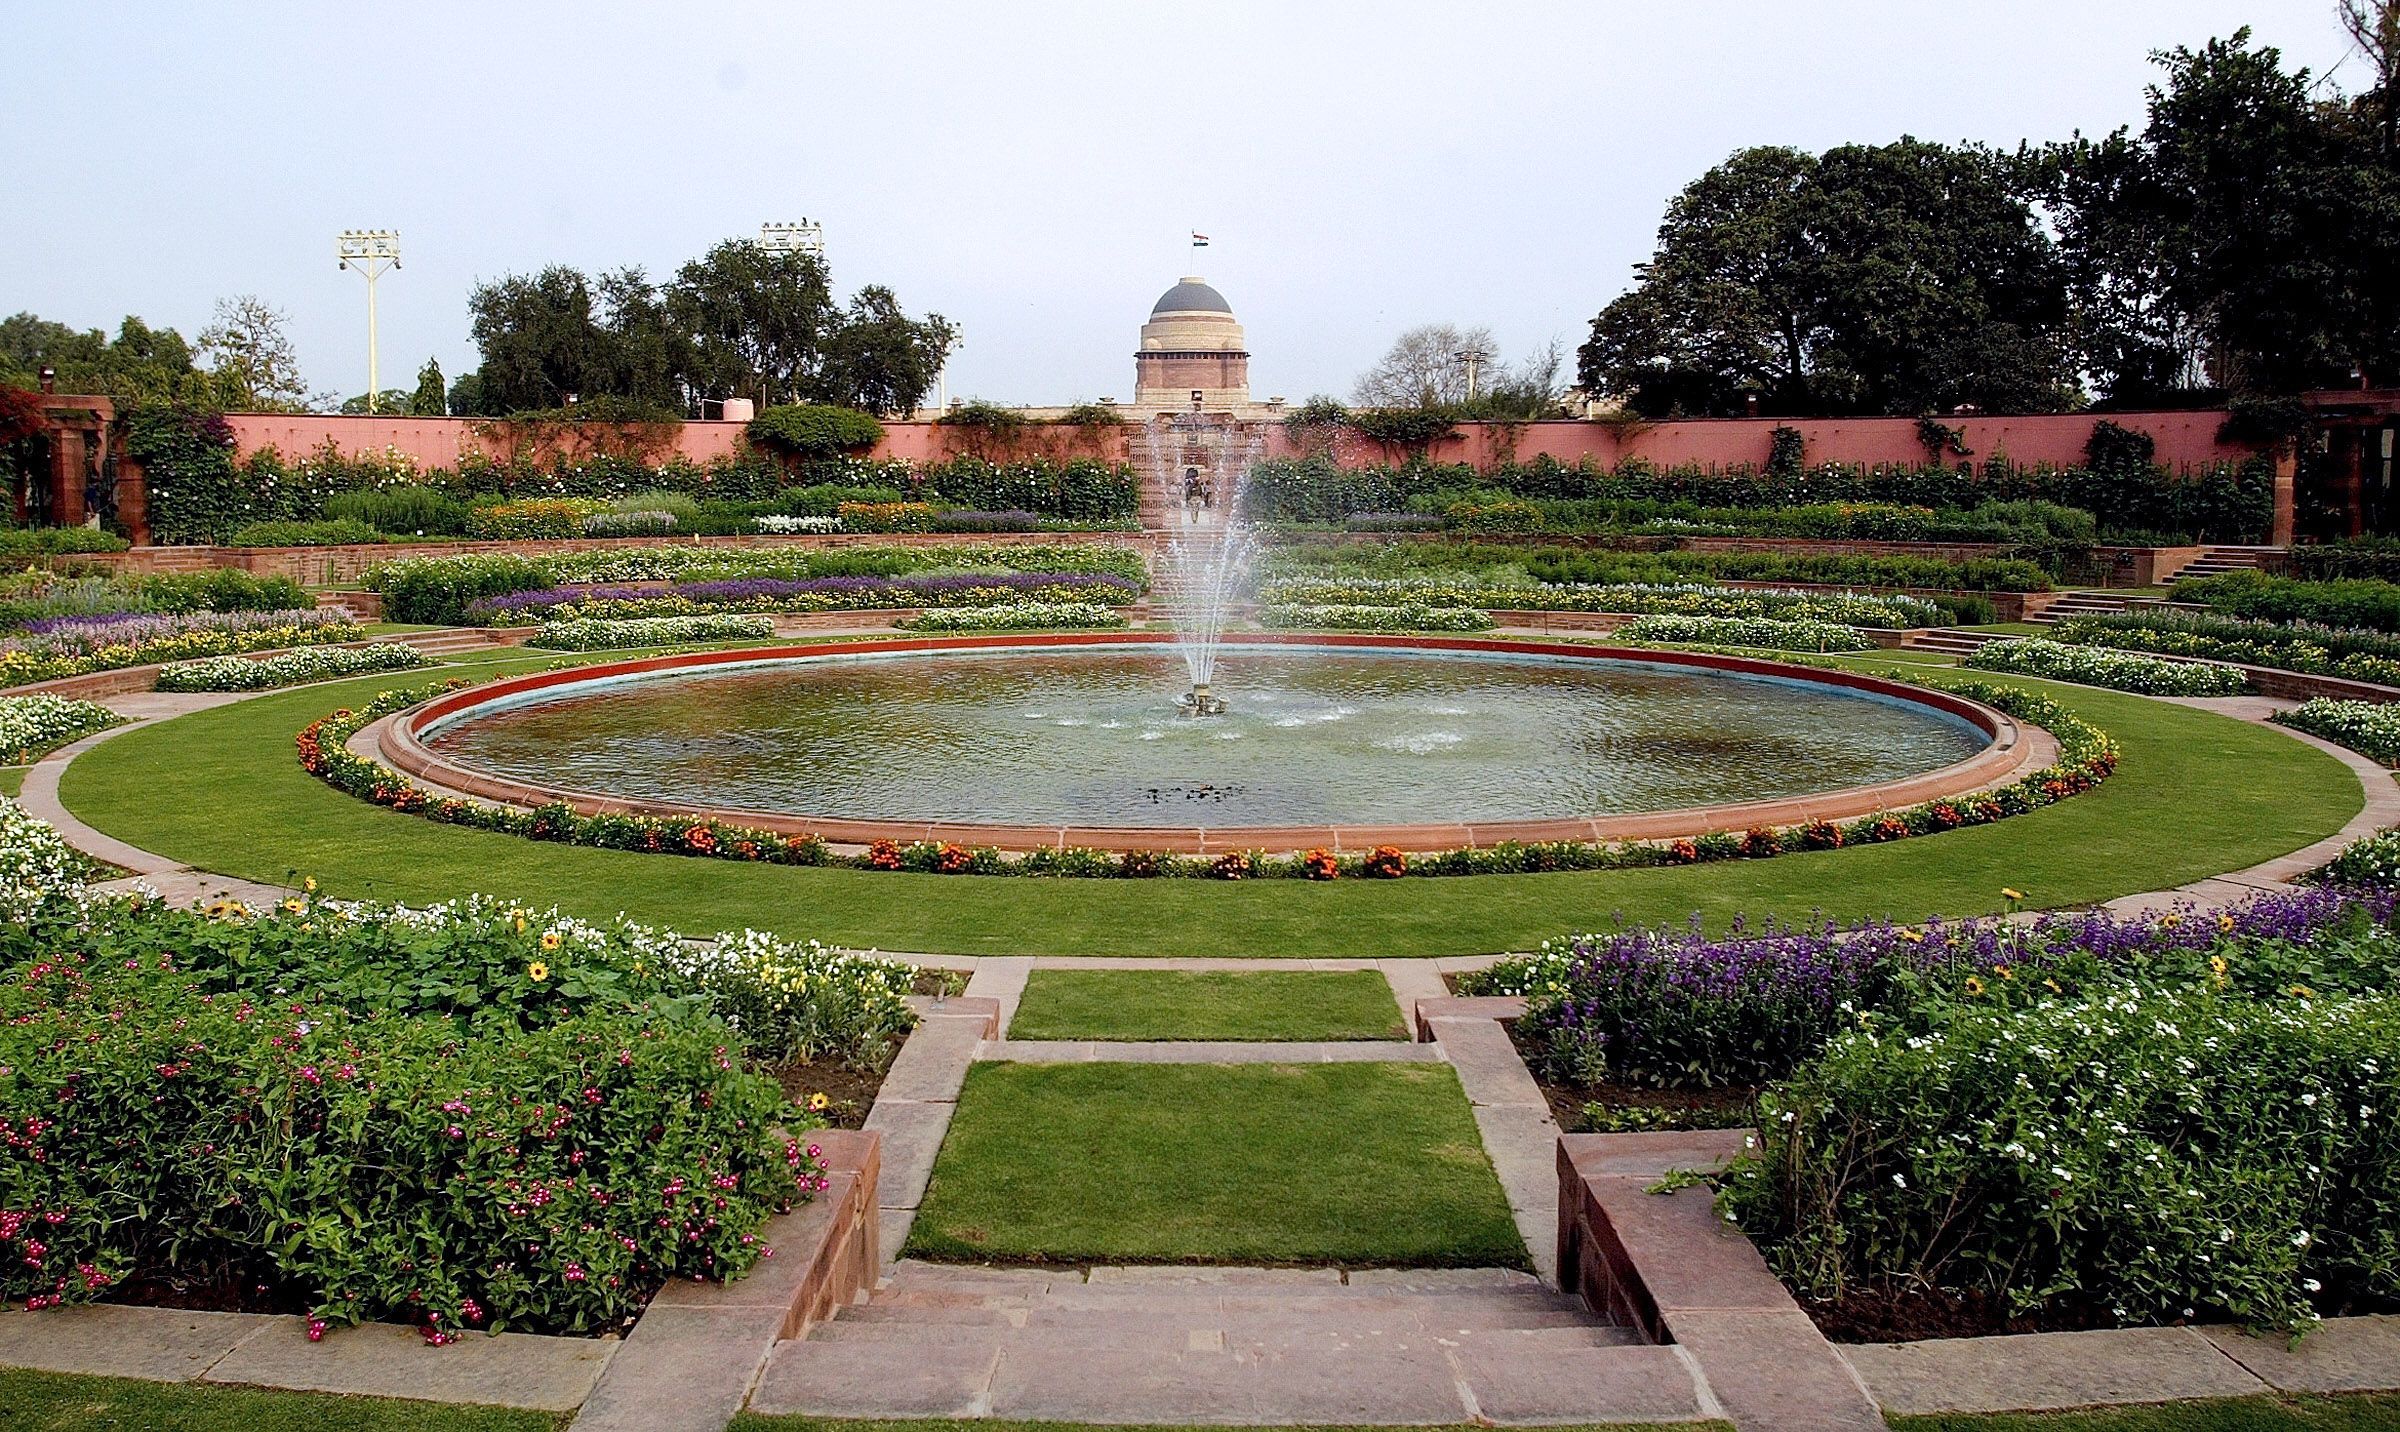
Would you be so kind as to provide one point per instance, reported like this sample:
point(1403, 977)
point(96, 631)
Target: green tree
point(1889, 278)
point(432, 398)
point(253, 357)
point(881, 360)
point(545, 335)
point(757, 320)
point(141, 364)
point(390, 401)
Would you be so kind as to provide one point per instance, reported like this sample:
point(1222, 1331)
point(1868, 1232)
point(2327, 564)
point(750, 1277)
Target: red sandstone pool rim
point(2014, 750)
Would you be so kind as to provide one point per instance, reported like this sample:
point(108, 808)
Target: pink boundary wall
point(2185, 440)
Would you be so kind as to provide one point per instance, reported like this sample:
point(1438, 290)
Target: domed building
point(1192, 344)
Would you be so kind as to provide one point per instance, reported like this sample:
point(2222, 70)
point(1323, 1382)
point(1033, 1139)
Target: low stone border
point(919, 1095)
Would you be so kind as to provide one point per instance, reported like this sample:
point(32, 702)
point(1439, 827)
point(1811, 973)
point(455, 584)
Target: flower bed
point(2369, 863)
point(2371, 728)
point(2116, 670)
point(817, 594)
point(2087, 756)
point(2352, 653)
point(1349, 617)
point(290, 668)
point(599, 634)
point(1680, 599)
point(1016, 616)
point(40, 874)
point(2368, 603)
point(784, 524)
point(31, 725)
point(76, 646)
point(1748, 631)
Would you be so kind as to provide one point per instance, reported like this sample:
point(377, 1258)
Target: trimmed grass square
point(62, 1402)
point(1363, 1165)
point(2369, 1413)
point(1168, 1004)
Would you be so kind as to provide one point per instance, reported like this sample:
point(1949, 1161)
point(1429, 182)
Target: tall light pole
point(1471, 357)
point(369, 252)
point(805, 237)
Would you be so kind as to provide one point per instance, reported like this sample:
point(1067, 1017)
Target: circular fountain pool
point(1030, 741)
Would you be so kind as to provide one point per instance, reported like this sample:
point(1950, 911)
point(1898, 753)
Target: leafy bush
point(2116, 670)
point(2156, 1154)
point(291, 668)
point(1691, 599)
point(813, 594)
point(964, 521)
point(420, 511)
point(220, 589)
point(806, 431)
point(591, 634)
point(631, 524)
point(2374, 557)
point(31, 725)
point(777, 522)
point(1016, 616)
point(2369, 863)
point(1352, 617)
point(41, 878)
point(2374, 605)
point(77, 646)
point(824, 499)
point(1747, 631)
point(533, 519)
point(18, 544)
point(435, 591)
point(885, 516)
point(340, 533)
point(2371, 728)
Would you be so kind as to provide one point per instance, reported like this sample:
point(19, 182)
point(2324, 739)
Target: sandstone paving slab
point(1199, 1051)
point(932, 1065)
point(1651, 1155)
point(866, 1379)
point(2338, 1355)
point(1419, 1280)
point(1688, 1258)
point(912, 1140)
point(2045, 1371)
point(891, 1228)
point(682, 1370)
point(1521, 1384)
point(1163, 1276)
point(1776, 1373)
point(1522, 1140)
point(103, 1340)
point(917, 1273)
point(1107, 1385)
point(1488, 1064)
point(387, 1360)
point(973, 1315)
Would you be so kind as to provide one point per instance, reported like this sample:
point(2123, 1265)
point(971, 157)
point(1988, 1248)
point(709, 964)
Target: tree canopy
point(739, 321)
point(140, 364)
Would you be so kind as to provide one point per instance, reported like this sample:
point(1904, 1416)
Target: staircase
point(2217, 561)
point(1259, 1346)
point(454, 641)
point(2078, 604)
point(1952, 643)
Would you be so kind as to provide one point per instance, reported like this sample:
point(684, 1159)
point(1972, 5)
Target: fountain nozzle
point(1200, 701)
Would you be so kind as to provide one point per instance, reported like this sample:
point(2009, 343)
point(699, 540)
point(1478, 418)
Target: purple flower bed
point(54, 636)
point(809, 594)
point(1669, 1007)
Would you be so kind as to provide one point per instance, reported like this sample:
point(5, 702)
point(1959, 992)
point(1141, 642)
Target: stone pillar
point(133, 500)
point(2287, 467)
point(66, 477)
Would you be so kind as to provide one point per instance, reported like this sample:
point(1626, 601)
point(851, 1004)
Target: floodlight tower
point(369, 252)
point(805, 237)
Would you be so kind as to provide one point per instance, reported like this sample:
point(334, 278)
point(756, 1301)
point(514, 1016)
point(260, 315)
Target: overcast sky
point(1031, 170)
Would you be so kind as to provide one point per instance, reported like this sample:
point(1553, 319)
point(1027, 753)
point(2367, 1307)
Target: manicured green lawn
point(12, 780)
point(2249, 1414)
point(1366, 1165)
point(2198, 794)
point(57, 1402)
point(752, 1422)
point(1272, 1004)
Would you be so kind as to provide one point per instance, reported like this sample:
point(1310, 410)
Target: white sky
point(1030, 170)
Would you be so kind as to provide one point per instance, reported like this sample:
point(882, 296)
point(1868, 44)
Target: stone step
point(1074, 1310)
point(1183, 1335)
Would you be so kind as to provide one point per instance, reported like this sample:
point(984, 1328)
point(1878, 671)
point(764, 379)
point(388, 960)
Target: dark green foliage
point(18, 544)
point(404, 510)
point(2343, 603)
point(324, 532)
point(806, 432)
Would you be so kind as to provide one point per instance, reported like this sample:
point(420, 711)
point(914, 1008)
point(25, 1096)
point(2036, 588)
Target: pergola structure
point(2354, 431)
point(76, 429)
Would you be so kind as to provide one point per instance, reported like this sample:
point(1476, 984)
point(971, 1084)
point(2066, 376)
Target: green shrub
point(2375, 557)
point(403, 510)
point(2116, 670)
point(531, 519)
point(302, 534)
point(1747, 631)
point(2351, 653)
point(290, 668)
point(2154, 1154)
point(33, 724)
point(597, 634)
point(805, 431)
point(1336, 616)
point(2371, 728)
point(18, 544)
point(2342, 603)
point(220, 589)
point(436, 590)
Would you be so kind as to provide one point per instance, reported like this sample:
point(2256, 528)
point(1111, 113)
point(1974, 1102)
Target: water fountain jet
point(1201, 465)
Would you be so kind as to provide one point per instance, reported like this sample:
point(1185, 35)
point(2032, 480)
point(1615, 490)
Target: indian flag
point(1199, 240)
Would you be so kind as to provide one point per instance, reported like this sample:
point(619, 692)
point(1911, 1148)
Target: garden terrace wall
point(2184, 440)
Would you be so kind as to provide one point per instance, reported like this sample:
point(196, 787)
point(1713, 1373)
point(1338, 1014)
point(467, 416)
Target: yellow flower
point(538, 970)
point(293, 906)
point(2225, 924)
point(1974, 985)
point(2008, 894)
point(1914, 937)
point(2303, 992)
point(550, 940)
point(2217, 968)
point(2053, 986)
point(310, 884)
point(2004, 972)
point(818, 1103)
point(2170, 920)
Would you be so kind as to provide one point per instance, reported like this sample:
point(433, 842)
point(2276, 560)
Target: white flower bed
point(601, 634)
point(39, 872)
point(30, 725)
point(1345, 616)
point(785, 526)
point(291, 668)
point(1016, 616)
point(2371, 728)
point(1862, 609)
point(2116, 670)
point(801, 1000)
point(1748, 631)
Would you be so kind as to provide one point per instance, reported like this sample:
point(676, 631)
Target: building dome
point(1191, 295)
